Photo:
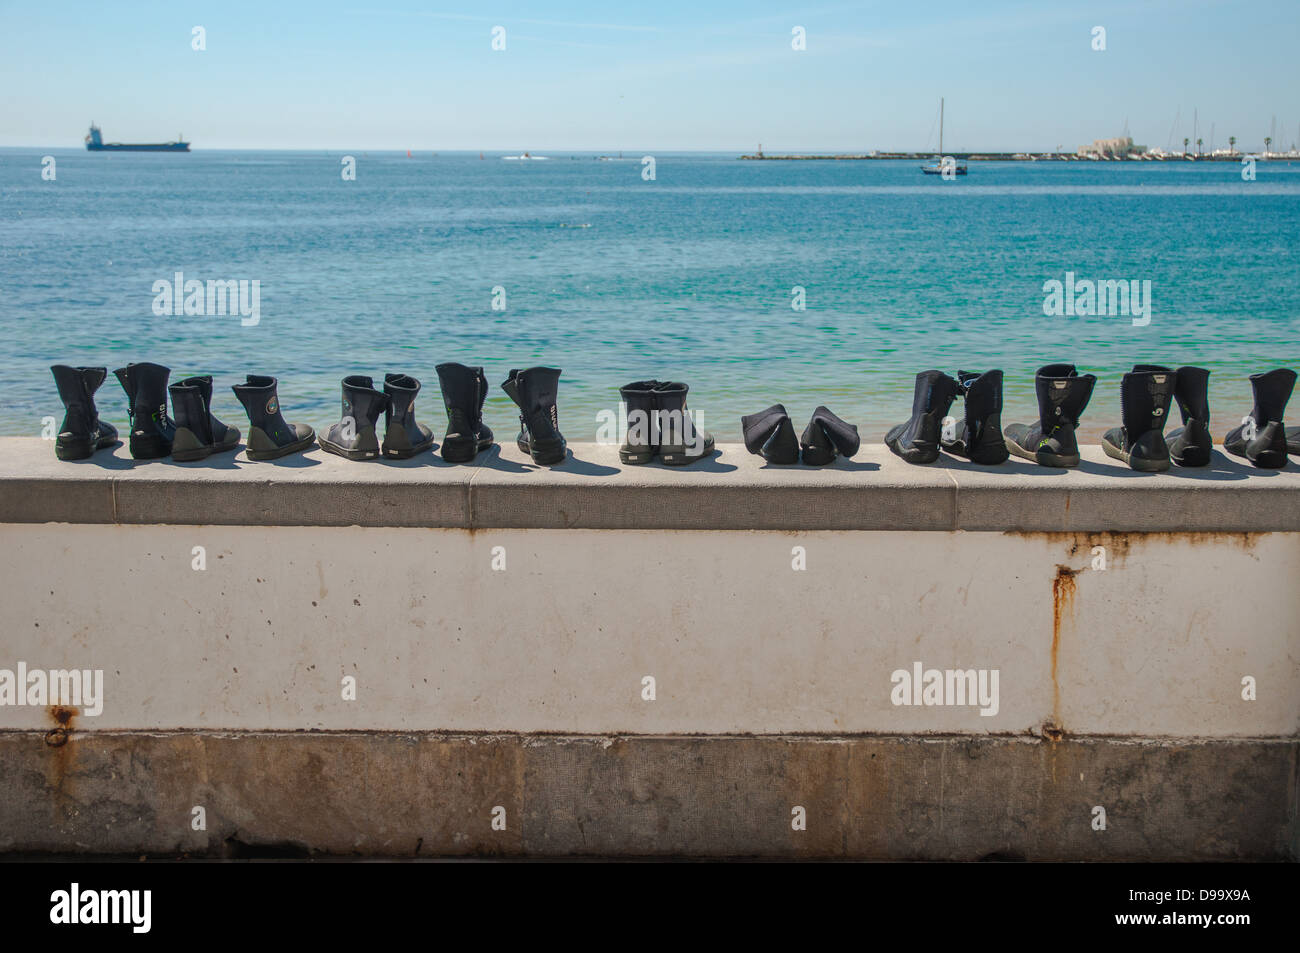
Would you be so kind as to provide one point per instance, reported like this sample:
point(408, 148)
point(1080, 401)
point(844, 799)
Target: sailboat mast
point(940, 125)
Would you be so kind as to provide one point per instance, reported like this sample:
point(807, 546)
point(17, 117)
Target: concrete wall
point(560, 636)
point(1154, 673)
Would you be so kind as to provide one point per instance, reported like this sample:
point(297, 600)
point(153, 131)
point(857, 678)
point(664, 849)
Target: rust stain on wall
point(62, 756)
point(1118, 545)
point(1063, 592)
point(62, 717)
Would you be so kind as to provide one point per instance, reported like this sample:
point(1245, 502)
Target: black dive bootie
point(534, 391)
point(403, 436)
point(680, 441)
point(1144, 397)
point(463, 391)
point(770, 435)
point(1063, 395)
point(641, 444)
point(198, 433)
point(269, 437)
point(978, 435)
point(827, 437)
point(1293, 440)
point(1190, 444)
point(1261, 438)
point(146, 392)
point(917, 441)
point(82, 432)
point(354, 435)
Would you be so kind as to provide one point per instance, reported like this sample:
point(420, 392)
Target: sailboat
point(958, 166)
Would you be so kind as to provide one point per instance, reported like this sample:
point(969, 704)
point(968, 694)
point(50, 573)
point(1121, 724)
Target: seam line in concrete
point(476, 467)
point(541, 737)
point(956, 503)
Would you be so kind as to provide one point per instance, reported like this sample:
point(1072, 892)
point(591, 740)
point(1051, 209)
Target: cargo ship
point(96, 143)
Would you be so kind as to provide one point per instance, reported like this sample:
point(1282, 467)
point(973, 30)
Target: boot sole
point(81, 449)
point(150, 448)
point(463, 452)
point(200, 453)
point(544, 458)
point(916, 457)
point(1041, 458)
point(345, 452)
point(1135, 463)
point(405, 453)
point(673, 457)
point(278, 452)
point(1269, 460)
point(636, 457)
point(1194, 457)
point(983, 458)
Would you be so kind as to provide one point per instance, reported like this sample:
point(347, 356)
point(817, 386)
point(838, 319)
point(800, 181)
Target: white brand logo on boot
point(1248, 428)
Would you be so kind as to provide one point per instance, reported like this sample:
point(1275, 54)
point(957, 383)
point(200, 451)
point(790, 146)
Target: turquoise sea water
point(614, 278)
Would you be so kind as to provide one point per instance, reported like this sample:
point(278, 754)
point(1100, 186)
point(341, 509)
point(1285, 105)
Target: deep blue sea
point(614, 278)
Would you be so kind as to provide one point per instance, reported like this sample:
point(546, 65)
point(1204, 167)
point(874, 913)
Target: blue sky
point(648, 76)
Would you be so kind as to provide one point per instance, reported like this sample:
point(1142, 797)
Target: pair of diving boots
point(770, 434)
point(1262, 437)
point(660, 425)
point(464, 390)
point(1145, 396)
point(977, 435)
point(194, 434)
point(355, 436)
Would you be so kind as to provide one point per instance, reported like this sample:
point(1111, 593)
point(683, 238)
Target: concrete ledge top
point(734, 490)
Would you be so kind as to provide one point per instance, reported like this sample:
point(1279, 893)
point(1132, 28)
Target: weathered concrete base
point(868, 797)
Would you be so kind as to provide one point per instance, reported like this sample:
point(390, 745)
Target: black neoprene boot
point(464, 389)
point(1144, 397)
point(1293, 440)
point(198, 433)
point(1063, 394)
point(680, 441)
point(82, 432)
point(978, 435)
point(770, 434)
point(403, 436)
point(269, 437)
point(917, 440)
point(827, 437)
point(146, 392)
point(534, 391)
point(1190, 444)
point(641, 444)
point(1261, 438)
point(355, 436)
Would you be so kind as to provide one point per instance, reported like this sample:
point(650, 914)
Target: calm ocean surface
point(616, 279)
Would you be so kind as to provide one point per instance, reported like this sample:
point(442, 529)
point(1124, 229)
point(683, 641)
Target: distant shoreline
point(1011, 157)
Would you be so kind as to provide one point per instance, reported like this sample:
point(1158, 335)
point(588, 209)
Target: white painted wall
point(737, 640)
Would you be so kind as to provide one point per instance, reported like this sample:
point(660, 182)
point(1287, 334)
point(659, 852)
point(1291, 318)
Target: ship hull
point(143, 147)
